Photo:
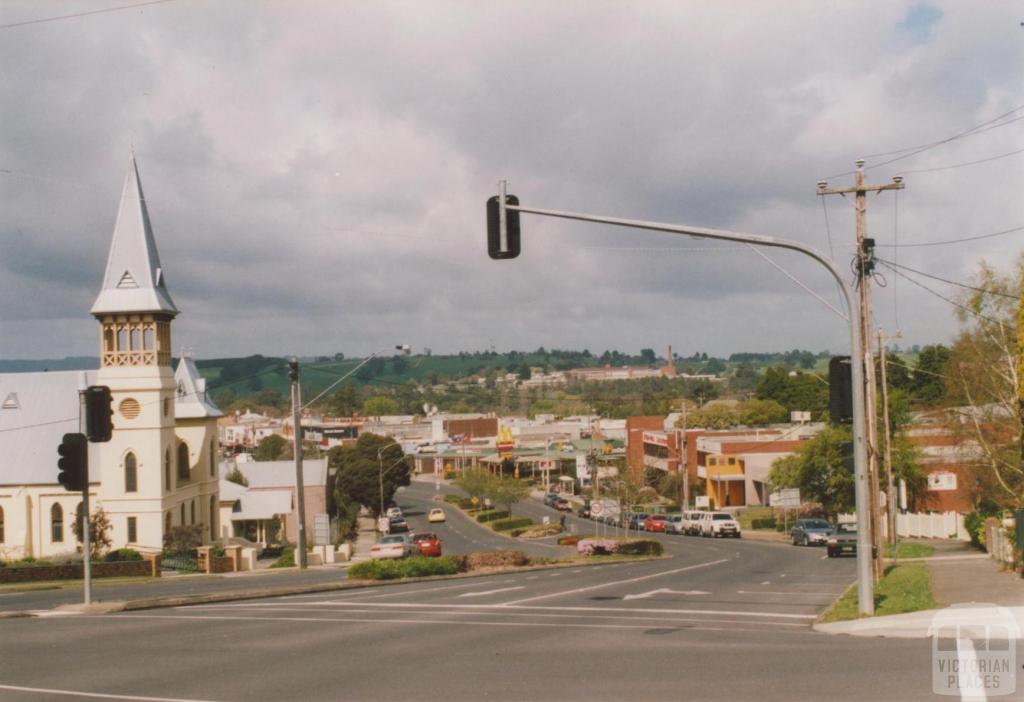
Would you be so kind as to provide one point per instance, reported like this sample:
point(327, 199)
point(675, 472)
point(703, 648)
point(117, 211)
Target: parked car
point(427, 543)
point(562, 505)
point(550, 497)
point(394, 512)
point(397, 524)
point(636, 520)
point(674, 524)
point(810, 532)
point(843, 539)
point(583, 512)
point(655, 522)
point(691, 522)
point(717, 524)
point(393, 546)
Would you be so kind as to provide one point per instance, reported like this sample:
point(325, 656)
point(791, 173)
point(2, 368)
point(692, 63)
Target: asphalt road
point(721, 620)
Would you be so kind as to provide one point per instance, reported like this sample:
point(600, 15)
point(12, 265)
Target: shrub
point(453, 499)
point(767, 523)
point(597, 547)
point(537, 531)
point(975, 525)
point(510, 523)
point(415, 567)
point(183, 538)
point(492, 515)
point(465, 503)
point(496, 559)
point(123, 554)
point(640, 547)
point(218, 551)
point(287, 558)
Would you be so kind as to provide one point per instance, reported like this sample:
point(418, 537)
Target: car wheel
point(807, 541)
point(796, 542)
point(831, 553)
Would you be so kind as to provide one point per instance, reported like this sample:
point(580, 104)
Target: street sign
point(702, 502)
point(789, 497)
point(321, 530)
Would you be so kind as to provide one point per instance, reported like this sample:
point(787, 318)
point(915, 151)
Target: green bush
point(640, 547)
point(123, 554)
point(975, 525)
point(414, 567)
point(510, 523)
point(453, 499)
point(492, 515)
point(287, 559)
point(767, 523)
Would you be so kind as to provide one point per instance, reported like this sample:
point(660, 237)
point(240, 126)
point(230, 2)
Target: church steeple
point(134, 308)
point(134, 281)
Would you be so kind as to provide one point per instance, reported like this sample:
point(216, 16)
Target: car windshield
point(424, 537)
point(817, 524)
point(846, 529)
point(721, 516)
point(392, 540)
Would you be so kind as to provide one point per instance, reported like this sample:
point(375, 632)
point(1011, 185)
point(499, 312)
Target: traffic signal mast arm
point(865, 584)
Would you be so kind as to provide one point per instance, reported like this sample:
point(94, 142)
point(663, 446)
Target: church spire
point(134, 281)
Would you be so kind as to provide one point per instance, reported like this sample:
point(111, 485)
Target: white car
point(393, 546)
point(691, 521)
point(717, 524)
point(394, 512)
point(674, 524)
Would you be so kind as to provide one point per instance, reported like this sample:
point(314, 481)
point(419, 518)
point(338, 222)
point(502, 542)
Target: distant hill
point(53, 364)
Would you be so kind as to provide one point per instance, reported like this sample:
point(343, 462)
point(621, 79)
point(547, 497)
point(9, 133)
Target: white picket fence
point(925, 525)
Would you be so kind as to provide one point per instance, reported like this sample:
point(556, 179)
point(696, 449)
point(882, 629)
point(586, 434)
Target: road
point(721, 620)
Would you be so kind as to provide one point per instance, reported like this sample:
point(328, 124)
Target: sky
point(316, 172)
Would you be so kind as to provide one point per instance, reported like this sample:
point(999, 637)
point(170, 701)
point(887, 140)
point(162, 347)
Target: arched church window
point(183, 470)
point(56, 523)
point(131, 476)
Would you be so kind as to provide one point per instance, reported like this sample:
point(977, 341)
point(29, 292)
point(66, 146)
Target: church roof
point(36, 410)
point(134, 280)
point(191, 401)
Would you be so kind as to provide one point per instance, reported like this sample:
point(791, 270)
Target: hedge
point(492, 559)
point(414, 567)
point(510, 523)
point(453, 499)
point(123, 554)
point(766, 523)
point(492, 515)
point(640, 547)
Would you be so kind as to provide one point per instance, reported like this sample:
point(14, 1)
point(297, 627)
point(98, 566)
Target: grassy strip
point(905, 588)
point(907, 549)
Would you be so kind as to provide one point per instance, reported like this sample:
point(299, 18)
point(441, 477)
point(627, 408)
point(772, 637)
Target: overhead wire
point(952, 241)
point(944, 280)
point(75, 15)
point(924, 287)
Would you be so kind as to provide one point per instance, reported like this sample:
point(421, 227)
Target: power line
point(968, 163)
point(82, 14)
point(915, 150)
point(942, 297)
point(943, 280)
point(952, 241)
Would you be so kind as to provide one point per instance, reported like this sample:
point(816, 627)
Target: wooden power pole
point(864, 265)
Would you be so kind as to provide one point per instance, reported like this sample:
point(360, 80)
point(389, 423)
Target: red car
point(655, 522)
point(427, 543)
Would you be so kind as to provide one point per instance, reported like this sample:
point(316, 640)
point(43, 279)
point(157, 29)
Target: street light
point(500, 245)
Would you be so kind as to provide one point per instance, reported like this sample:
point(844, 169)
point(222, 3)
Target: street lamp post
point(865, 583)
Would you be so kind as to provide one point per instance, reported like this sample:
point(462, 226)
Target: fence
point(924, 525)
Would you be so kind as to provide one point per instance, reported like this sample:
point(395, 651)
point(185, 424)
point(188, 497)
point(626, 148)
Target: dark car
point(550, 498)
point(562, 505)
point(636, 520)
point(397, 525)
point(810, 532)
point(584, 511)
point(842, 540)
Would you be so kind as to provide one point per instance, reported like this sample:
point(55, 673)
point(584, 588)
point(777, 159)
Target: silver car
point(674, 524)
point(810, 532)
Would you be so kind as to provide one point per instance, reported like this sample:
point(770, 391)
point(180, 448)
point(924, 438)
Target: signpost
point(321, 530)
point(785, 499)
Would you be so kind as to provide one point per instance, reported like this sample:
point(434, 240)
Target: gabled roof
point(280, 474)
point(134, 280)
point(36, 410)
point(191, 401)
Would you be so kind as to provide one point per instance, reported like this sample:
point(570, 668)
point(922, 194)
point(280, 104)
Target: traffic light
point(494, 238)
point(74, 462)
point(840, 390)
point(99, 424)
point(293, 370)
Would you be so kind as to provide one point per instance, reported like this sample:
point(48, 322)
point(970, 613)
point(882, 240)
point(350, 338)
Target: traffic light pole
point(865, 582)
point(86, 536)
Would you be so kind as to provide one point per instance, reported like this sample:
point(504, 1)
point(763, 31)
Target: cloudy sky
point(316, 172)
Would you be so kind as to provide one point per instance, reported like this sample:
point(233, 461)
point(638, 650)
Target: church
point(159, 471)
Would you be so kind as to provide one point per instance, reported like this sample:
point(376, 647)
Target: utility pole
point(300, 490)
point(865, 265)
point(890, 503)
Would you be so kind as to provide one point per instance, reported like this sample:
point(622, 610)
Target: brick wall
point(74, 572)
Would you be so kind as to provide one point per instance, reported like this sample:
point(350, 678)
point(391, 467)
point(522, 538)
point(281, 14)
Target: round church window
point(129, 408)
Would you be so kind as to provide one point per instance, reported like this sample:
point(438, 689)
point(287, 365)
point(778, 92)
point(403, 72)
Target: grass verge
point(909, 549)
point(904, 588)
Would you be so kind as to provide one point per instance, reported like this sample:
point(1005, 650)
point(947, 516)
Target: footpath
point(962, 578)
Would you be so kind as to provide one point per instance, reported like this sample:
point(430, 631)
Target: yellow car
point(436, 515)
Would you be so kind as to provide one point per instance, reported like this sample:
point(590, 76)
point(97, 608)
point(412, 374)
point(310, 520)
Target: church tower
point(145, 477)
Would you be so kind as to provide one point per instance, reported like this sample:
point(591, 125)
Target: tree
point(363, 469)
point(379, 405)
point(985, 372)
point(507, 491)
point(99, 533)
point(648, 356)
point(272, 448)
point(344, 402)
point(523, 371)
point(928, 384)
point(236, 476)
point(822, 469)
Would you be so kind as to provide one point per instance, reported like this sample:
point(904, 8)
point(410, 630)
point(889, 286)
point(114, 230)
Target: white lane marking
point(95, 695)
point(645, 595)
point(968, 663)
point(365, 596)
point(823, 557)
point(481, 593)
point(446, 622)
point(767, 582)
point(791, 592)
point(539, 615)
point(531, 577)
point(617, 582)
point(543, 608)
